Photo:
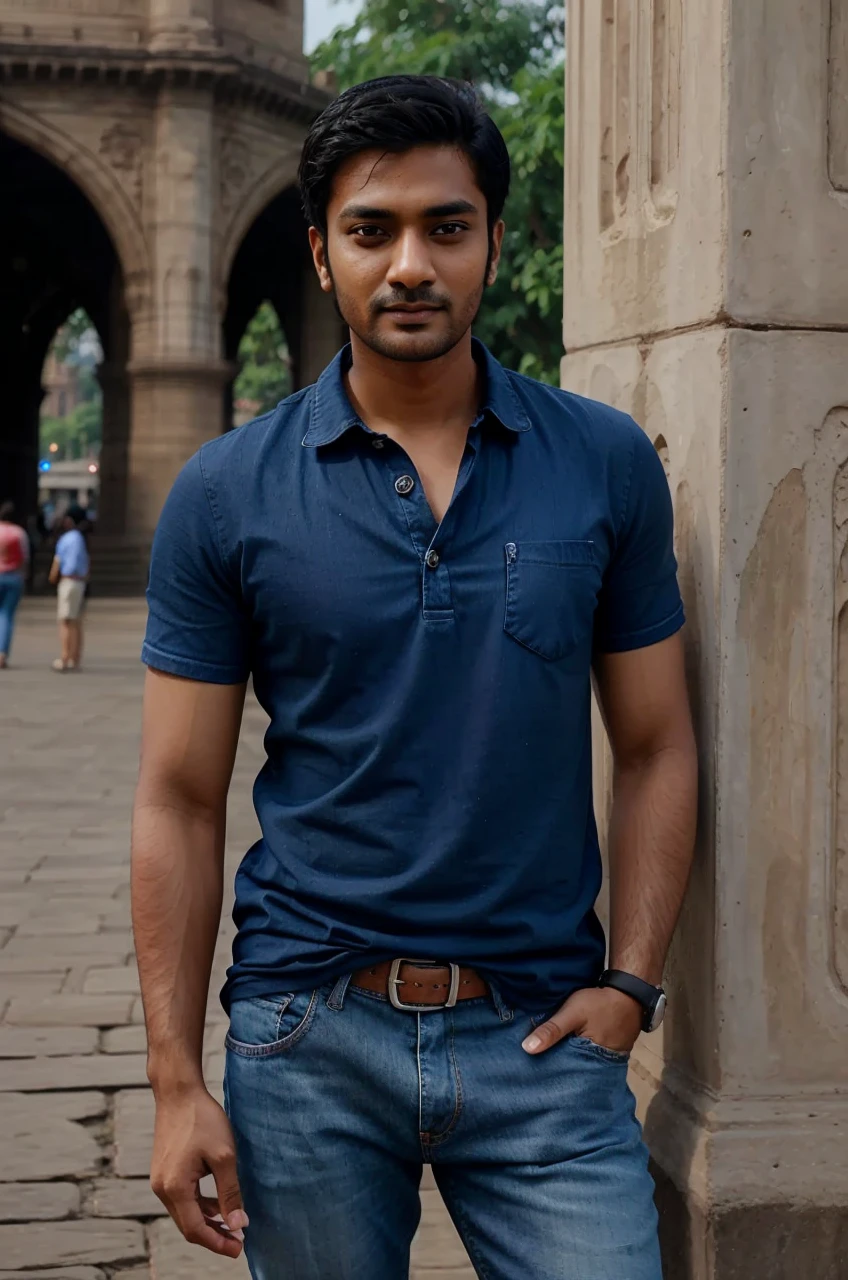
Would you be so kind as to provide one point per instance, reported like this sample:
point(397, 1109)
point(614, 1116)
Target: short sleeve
point(196, 624)
point(639, 602)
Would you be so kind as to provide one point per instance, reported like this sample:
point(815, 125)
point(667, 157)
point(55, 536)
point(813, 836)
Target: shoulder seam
point(628, 486)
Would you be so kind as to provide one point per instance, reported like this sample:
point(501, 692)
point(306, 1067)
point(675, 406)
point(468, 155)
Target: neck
point(431, 394)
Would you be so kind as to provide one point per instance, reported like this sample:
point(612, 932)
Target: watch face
point(659, 1012)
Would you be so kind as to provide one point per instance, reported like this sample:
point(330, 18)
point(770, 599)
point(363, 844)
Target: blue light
point(44, 465)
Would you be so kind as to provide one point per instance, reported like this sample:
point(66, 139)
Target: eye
point(367, 232)
point(451, 228)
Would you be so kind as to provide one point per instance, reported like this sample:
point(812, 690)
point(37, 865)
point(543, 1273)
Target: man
point(70, 570)
point(419, 561)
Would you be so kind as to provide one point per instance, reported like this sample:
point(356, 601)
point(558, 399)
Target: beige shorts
point(71, 596)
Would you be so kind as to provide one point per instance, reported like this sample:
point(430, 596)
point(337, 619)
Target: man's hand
point(602, 1014)
point(192, 1138)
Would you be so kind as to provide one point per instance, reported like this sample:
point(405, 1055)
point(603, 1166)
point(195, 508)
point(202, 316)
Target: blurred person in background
point(14, 559)
point(69, 572)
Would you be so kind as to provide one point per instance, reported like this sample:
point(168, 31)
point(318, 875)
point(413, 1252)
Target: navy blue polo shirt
point(427, 790)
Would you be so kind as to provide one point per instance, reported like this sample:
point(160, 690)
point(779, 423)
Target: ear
point(497, 243)
point(319, 257)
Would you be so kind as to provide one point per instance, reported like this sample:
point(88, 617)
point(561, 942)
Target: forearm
point(652, 833)
point(177, 885)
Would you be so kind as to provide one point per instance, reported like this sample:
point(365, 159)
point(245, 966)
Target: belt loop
point(336, 998)
point(504, 1012)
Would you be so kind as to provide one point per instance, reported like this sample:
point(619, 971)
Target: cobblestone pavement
point(75, 1109)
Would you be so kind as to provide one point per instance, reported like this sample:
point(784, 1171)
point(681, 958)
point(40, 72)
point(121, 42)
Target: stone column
point(176, 372)
point(182, 25)
point(321, 330)
point(706, 292)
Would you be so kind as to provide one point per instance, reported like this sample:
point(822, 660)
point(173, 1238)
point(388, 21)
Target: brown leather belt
point(418, 986)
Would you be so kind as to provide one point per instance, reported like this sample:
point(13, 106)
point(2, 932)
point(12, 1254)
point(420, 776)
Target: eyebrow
point(448, 210)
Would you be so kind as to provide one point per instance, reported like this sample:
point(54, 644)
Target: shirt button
point(432, 560)
point(404, 485)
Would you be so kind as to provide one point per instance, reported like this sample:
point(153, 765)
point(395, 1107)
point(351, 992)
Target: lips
point(413, 315)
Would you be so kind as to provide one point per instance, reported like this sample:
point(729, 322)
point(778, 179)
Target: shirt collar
point(331, 414)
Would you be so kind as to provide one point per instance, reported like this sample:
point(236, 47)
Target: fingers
point(180, 1199)
point(229, 1193)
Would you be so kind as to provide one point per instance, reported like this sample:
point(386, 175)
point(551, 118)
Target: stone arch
point(95, 179)
point(273, 183)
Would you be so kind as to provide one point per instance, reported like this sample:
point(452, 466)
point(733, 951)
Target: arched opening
point(264, 362)
point(71, 421)
point(272, 274)
point(56, 260)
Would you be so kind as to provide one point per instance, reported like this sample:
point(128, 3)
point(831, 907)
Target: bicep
point(190, 733)
point(644, 700)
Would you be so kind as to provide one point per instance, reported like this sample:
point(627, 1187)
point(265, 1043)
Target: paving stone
point(37, 1201)
point(134, 1115)
point(113, 945)
point(59, 1244)
point(62, 1273)
point(30, 985)
point(34, 1042)
point(47, 963)
point(71, 1010)
point(58, 924)
point(42, 1138)
point(90, 1071)
point(121, 980)
point(125, 1040)
point(123, 1198)
point(172, 1258)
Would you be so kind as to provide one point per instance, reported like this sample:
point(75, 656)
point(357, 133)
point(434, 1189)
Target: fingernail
point(238, 1218)
point(238, 1235)
point(531, 1043)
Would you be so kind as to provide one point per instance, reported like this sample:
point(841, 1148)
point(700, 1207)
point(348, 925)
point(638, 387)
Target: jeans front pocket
point(551, 596)
point(261, 1026)
point(600, 1051)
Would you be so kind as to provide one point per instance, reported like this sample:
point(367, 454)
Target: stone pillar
point(176, 371)
point(182, 25)
point(321, 330)
point(706, 292)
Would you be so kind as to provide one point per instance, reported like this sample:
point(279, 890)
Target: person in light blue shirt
point(70, 573)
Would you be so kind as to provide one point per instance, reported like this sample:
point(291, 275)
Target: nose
point(411, 265)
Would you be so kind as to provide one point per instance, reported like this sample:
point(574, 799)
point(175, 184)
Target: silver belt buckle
point(396, 981)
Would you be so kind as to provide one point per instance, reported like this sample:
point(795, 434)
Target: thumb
point(568, 1019)
point(229, 1193)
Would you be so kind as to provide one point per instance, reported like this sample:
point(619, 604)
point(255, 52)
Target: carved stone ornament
point(234, 163)
point(121, 146)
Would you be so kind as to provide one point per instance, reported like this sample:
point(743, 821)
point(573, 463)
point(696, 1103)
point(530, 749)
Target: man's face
point(407, 250)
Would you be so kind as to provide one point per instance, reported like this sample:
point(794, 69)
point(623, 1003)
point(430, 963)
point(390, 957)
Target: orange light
point(54, 448)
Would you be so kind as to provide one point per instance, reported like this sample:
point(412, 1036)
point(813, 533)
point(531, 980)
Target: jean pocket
point(261, 1026)
point(599, 1051)
point(551, 596)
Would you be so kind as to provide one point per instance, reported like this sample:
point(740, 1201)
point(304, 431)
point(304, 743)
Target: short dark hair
point(7, 510)
point(76, 514)
point(396, 113)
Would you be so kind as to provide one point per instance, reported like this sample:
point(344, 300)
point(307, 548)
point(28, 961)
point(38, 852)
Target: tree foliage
point(512, 53)
point(265, 375)
point(80, 432)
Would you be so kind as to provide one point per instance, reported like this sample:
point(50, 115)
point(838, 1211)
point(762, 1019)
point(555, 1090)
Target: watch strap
point(644, 993)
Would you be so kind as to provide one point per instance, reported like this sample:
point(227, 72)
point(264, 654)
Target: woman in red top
point(14, 554)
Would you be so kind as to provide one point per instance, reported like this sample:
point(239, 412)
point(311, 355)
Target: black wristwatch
point(652, 999)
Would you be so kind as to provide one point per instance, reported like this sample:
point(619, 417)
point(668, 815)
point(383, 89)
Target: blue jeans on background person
point(11, 590)
point(337, 1099)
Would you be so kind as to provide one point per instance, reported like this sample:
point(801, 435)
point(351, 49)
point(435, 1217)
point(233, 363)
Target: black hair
point(7, 510)
point(76, 514)
point(396, 113)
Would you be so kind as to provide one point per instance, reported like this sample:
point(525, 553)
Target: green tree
point(265, 374)
point(80, 432)
point(512, 52)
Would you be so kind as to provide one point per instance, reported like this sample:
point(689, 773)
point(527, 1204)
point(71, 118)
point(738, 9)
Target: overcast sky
point(321, 16)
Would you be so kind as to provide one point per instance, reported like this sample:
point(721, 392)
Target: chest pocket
point(551, 595)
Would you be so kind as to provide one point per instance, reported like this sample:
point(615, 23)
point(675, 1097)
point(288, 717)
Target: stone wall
point(706, 293)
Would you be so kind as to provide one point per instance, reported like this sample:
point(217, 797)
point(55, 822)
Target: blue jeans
point(337, 1099)
point(11, 590)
